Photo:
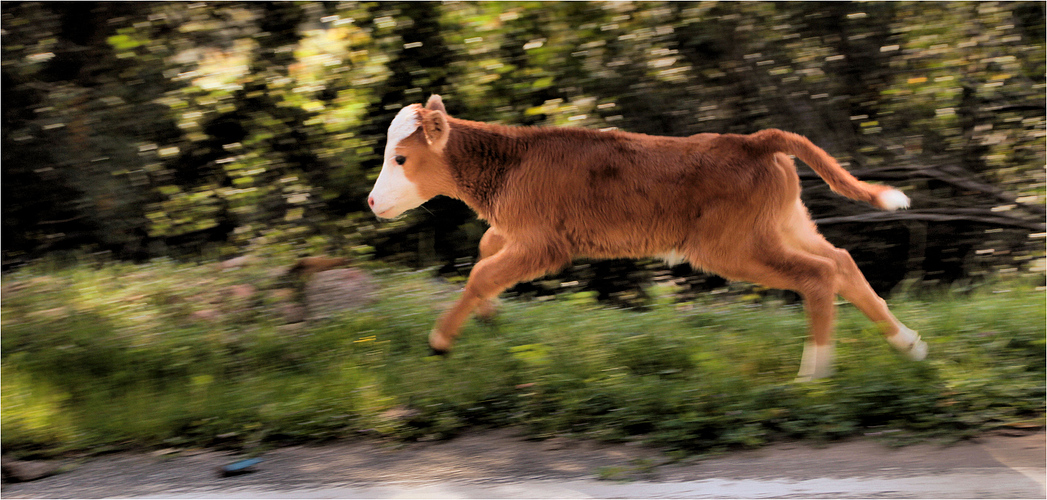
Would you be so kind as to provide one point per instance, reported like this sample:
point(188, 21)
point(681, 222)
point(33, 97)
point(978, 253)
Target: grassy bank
point(168, 355)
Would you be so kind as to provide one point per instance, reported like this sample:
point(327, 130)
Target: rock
point(400, 414)
point(291, 328)
point(235, 262)
point(241, 292)
point(56, 313)
point(292, 313)
point(282, 294)
point(17, 471)
point(309, 266)
point(206, 315)
point(338, 290)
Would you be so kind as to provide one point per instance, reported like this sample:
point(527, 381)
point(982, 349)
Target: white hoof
point(909, 343)
point(918, 351)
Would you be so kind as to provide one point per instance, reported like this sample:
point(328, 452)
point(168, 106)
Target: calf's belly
point(626, 240)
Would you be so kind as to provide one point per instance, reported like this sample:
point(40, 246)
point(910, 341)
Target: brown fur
point(728, 204)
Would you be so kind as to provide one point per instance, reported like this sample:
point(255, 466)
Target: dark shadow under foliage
point(198, 130)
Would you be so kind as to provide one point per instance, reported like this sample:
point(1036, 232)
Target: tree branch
point(947, 174)
point(943, 215)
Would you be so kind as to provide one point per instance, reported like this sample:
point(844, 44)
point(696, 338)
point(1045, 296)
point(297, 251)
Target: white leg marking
point(817, 362)
point(909, 343)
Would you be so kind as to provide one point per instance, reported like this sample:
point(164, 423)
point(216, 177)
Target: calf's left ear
point(435, 103)
point(436, 128)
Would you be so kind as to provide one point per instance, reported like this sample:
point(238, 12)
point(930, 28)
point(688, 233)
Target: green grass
point(162, 355)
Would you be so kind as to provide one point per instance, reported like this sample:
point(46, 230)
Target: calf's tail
point(838, 179)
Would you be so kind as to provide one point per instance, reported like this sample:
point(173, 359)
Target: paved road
point(499, 464)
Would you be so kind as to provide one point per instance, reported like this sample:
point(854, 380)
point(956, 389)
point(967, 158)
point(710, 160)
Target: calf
point(727, 204)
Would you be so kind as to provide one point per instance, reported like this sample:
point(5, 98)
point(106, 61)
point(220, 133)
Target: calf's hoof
point(918, 352)
point(443, 353)
point(438, 345)
point(909, 343)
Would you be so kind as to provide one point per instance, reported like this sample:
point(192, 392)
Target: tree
point(211, 129)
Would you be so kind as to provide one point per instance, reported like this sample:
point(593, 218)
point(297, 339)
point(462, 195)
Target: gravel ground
point(501, 464)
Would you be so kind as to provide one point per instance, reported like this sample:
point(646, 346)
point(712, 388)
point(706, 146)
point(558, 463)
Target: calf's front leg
point(490, 244)
point(492, 275)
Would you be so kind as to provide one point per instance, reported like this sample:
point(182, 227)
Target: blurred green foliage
point(167, 355)
point(214, 129)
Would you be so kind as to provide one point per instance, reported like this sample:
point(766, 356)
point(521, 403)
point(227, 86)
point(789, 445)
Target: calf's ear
point(435, 103)
point(436, 128)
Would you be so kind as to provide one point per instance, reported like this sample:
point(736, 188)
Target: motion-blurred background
point(135, 130)
point(177, 177)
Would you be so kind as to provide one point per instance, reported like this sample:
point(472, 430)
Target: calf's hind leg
point(772, 264)
point(851, 284)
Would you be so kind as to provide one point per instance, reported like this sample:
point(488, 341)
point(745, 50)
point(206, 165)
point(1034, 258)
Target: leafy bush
point(163, 355)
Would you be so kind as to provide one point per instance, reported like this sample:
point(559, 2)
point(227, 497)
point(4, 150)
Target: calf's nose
point(370, 201)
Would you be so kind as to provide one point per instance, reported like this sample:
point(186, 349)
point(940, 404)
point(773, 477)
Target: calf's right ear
point(436, 128)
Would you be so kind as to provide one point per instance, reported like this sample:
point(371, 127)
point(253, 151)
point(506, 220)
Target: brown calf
point(727, 204)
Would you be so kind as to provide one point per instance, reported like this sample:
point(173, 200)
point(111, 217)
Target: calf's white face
point(394, 193)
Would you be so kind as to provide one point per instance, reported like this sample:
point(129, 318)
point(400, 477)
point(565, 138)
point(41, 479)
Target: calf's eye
point(399, 159)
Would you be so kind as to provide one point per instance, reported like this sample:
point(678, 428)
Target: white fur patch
point(893, 199)
point(405, 123)
point(909, 342)
point(672, 258)
point(393, 193)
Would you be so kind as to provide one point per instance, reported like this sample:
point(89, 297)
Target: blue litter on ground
point(240, 467)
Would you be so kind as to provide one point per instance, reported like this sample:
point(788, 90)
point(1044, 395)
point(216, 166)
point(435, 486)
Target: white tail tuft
point(892, 199)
